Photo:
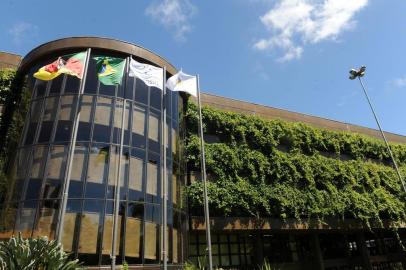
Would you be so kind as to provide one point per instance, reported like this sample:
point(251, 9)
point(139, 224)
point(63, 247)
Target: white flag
point(150, 75)
point(183, 82)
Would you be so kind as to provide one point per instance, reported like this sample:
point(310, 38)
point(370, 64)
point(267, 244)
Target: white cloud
point(173, 15)
point(294, 23)
point(399, 82)
point(21, 31)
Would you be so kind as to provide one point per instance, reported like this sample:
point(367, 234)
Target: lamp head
point(354, 73)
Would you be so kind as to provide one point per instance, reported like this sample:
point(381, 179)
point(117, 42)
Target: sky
point(288, 54)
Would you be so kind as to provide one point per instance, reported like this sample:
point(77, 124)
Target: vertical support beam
point(164, 177)
point(117, 191)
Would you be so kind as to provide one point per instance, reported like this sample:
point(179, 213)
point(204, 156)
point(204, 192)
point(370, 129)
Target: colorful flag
point(110, 70)
point(72, 64)
point(150, 75)
point(183, 82)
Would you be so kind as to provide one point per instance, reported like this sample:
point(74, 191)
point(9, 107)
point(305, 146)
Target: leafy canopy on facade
point(274, 168)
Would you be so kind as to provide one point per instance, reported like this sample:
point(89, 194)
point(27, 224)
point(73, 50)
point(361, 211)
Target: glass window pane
point(39, 157)
point(97, 171)
point(129, 91)
point(174, 190)
point(108, 233)
point(137, 174)
point(90, 226)
point(66, 116)
point(152, 177)
point(71, 217)
point(141, 92)
point(155, 97)
point(72, 84)
point(56, 172)
point(175, 247)
point(154, 131)
point(40, 88)
point(26, 218)
point(103, 111)
point(35, 112)
point(102, 119)
point(47, 219)
point(56, 85)
point(151, 241)
point(92, 80)
point(138, 126)
point(77, 172)
point(56, 163)
point(133, 237)
point(51, 106)
point(46, 132)
point(85, 118)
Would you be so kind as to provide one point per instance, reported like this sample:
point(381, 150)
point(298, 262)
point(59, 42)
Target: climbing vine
point(274, 168)
point(14, 97)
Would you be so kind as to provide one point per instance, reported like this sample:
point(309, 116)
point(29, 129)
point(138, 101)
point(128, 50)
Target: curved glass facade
point(34, 204)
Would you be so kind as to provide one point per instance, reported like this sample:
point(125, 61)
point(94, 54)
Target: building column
point(318, 256)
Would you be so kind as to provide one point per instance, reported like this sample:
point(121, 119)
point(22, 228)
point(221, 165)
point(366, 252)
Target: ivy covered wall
point(264, 168)
point(14, 99)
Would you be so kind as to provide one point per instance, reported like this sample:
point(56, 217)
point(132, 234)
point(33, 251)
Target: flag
point(183, 82)
point(150, 75)
point(110, 70)
point(71, 64)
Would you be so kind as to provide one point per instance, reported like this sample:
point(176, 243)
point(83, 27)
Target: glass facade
point(41, 168)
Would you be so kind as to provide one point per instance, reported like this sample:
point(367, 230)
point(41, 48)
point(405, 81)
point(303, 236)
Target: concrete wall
point(9, 60)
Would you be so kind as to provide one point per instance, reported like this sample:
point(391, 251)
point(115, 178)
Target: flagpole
point(71, 153)
point(203, 172)
point(164, 177)
point(117, 191)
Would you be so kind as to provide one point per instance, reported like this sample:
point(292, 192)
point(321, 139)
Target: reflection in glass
point(56, 172)
point(141, 92)
point(56, 85)
point(152, 177)
point(41, 169)
point(72, 84)
point(47, 219)
point(89, 230)
point(40, 88)
point(26, 218)
point(154, 131)
point(85, 118)
point(35, 112)
point(135, 215)
point(97, 171)
point(66, 117)
point(71, 218)
point(138, 126)
point(137, 174)
point(78, 172)
point(102, 118)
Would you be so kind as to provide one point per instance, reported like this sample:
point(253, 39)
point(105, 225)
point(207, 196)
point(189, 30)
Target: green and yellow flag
point(110, 70)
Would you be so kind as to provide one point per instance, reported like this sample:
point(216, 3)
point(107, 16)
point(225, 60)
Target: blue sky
point(289, 54)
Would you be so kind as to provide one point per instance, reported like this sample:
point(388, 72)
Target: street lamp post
point(359, 73)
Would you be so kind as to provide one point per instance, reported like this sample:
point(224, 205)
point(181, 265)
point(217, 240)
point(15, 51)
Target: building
point(40, 180)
